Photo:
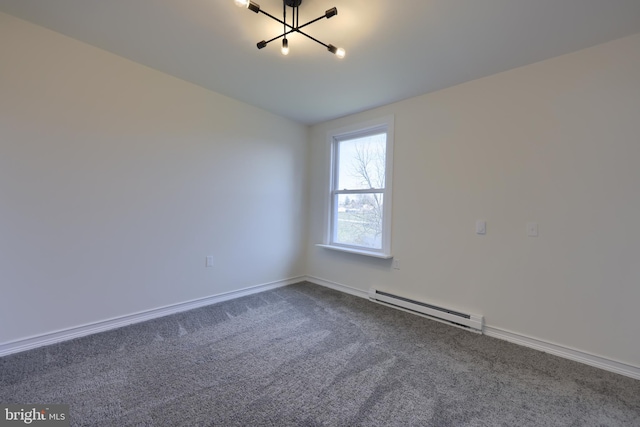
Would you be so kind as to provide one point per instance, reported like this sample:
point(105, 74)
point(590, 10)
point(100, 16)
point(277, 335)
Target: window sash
point(368, 190)
point(335, 154)
point(333, 240)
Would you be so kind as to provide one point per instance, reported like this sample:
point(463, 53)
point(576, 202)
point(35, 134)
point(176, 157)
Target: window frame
point(334, 137)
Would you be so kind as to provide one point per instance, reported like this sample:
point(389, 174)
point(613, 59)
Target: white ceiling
point(395, 49)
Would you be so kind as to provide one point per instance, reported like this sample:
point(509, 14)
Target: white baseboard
point(513, 337)
point(117, 322)
point(565, 352)
point(337, 287)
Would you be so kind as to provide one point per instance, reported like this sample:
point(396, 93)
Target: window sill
point(356, 251)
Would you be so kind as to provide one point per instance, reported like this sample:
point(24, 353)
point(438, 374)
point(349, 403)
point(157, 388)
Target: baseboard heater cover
point(471, 322)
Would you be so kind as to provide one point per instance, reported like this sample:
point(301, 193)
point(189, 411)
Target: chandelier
point(294, 27)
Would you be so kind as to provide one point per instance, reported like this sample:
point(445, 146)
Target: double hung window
point(360, 189)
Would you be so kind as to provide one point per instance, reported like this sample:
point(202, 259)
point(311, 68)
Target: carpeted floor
point(304, 355)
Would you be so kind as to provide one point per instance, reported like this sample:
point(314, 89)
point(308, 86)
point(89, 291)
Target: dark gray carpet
point(309, 356)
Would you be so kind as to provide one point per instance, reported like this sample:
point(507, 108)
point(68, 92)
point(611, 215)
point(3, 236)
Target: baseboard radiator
point(470, 322)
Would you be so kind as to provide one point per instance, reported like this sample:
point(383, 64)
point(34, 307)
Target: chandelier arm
point(290, 26)
point(279, 37)
point(297, 30)
point(310, 22)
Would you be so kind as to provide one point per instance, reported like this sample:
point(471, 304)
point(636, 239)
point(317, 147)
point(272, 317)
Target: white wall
point(556, 142)
point(117, 180)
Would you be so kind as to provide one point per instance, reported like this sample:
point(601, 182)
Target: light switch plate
point(481, 227)
point(532, 229)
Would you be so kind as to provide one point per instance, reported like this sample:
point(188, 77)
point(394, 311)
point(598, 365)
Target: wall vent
point(470, 322)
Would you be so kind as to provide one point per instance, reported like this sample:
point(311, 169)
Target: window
point(359, 205)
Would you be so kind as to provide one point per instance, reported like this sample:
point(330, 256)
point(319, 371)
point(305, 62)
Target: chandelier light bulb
point(337, 51)
point(285, 47)
point(242, 3)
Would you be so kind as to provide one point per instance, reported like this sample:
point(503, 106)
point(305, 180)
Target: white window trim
point(386, 122)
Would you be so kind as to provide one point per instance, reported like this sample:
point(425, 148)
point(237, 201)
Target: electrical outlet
point(532, 229)
point(396, 264)
point(209, 261)
point(481, 227)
